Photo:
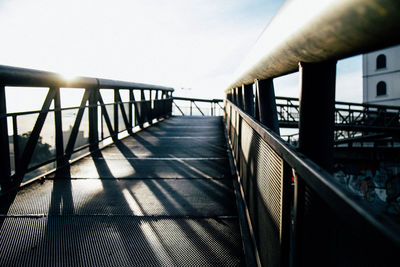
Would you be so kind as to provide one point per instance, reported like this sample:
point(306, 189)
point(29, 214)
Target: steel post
point(5, 168)
point(116, 127)
point(150, 115)
point(17, 153)
point(317, 109)
point(143, 108)
point(58, 128)
point(268, 114)
point(248, 99)
point(239, 97)
point(234, 98)
point(237, 101)
point(316, 136)
point(93, 119)
point(130, 110)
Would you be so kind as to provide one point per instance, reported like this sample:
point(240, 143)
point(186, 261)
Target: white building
point(381, 77)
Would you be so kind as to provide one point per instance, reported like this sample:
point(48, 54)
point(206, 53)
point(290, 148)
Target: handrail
point(257, 152)
point(312, 221)
point(127, 116)
point(354, 116)
point(322, 181)
point(13, 76)
point(198, 99)
point(215, 104)
point(345, 103)
point(316, 31)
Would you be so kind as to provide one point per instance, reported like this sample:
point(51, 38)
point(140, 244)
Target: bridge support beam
point(265, 110)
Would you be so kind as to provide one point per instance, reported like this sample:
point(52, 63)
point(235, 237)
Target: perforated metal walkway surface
point(163, 197)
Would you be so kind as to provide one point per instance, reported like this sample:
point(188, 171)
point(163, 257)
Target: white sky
point(195, 44)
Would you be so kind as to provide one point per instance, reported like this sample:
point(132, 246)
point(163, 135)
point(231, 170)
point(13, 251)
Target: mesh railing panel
point(314, 226)
point(261, 173)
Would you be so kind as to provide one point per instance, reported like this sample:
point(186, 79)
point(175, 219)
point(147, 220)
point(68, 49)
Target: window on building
point(381, 62)
point(381, 88)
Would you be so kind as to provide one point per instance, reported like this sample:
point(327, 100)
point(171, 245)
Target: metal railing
point(299, 214)
point(186, 106)
point(155, 102)
point(361, 117)
point(353, 121)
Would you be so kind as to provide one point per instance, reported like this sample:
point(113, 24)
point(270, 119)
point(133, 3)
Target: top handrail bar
point(315, 31)
point(198, 99)
point(343, 103)
point(13, 76)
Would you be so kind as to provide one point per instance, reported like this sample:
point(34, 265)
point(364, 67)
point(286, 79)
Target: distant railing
point(354, 116)
point(354, 122)
point(299, 213)
point(186, 106)
point(100, 120)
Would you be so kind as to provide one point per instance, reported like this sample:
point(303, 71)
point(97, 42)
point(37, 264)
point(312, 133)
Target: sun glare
point(69, 77)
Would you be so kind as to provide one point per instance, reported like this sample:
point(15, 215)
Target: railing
point(353, 121)
point(300, 215)
point(186, 106)
point(361, 117)
point(102, 121)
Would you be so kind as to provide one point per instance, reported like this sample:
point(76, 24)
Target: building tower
point(381, 77)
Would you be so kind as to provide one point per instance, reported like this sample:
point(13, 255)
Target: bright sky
point(196, 44)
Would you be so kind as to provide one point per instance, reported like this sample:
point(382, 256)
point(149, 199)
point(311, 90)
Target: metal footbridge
point(124, 177)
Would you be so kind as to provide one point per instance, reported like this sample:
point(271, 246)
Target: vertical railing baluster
point(116, 127)
point(93, 119)
point(143, 108)
point(156, 106)
point(5, 167)
point(17, 153)
point(58, 129)
point(101, 124)
point(150, 116)
point(131, 100)
point(170, 104)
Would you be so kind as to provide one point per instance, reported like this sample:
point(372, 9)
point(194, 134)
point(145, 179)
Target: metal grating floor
point(163, 197)
point(119, 241)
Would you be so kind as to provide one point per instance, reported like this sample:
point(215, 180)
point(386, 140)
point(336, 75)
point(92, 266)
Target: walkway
point(161, 197)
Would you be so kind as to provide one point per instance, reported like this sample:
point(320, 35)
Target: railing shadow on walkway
point(172, 202)
point(70, 211)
